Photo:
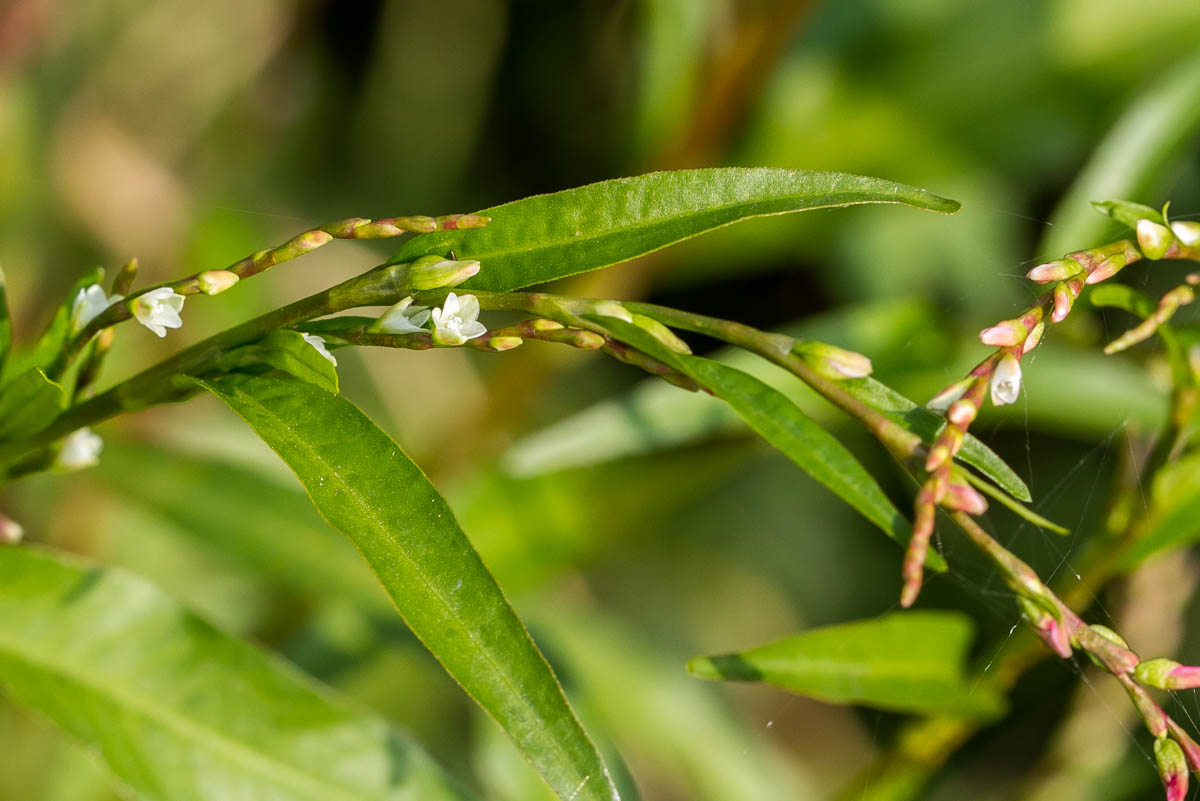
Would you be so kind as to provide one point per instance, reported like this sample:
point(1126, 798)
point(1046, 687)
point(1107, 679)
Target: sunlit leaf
point(366, 487)
point(904, 662)
point(181, 711)
point(545, 237)
point(28, 403)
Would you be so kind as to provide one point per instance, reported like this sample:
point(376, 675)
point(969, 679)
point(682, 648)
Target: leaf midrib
point(216, 741)
point(368, 515)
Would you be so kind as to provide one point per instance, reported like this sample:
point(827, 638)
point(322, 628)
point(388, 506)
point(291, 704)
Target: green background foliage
point(632, 526)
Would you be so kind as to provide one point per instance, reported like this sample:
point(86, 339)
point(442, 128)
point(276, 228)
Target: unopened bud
point(1004, 334)
point(502, 343)
point(1057, 270)
point(1153, 239)
point(1046, 625)
point(660, 332)
point(611, 308)
point(1172, 768)
point(941, 401)
point(964, 499)
point(214, 282)
point(1064, 298)
point(11, 532)
point(1188, 232)
point(962, 412)
point(542, 324)
point(452, 222)
point(1035, 336)
point(1167, 674)
point(1106, 269)
point(832, 361)
point(436, 272)
point(1006, 380)
point(1109, 634)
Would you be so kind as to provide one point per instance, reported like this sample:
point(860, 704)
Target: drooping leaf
point(781, 423)
point(903, 661)
point(546, 237)
point(366, 487)
point(29, 403)
point(180, 711)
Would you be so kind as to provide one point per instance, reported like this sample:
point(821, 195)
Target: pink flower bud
point(965, 499)
point(1172, 768)
point(962, 412)
point(941, 401)
point(1046, 626)
point(1035, 336)
point(1106, 269)
point(1057, 270)
point(1167, 674)
point(1004, 334)
point(1064, 298)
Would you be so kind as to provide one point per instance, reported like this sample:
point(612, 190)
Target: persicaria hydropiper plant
point(279, 372)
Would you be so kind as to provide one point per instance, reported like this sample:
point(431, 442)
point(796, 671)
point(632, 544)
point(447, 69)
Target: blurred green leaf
point(246, 515)
point(178, 709)
point(1158, 127)
point(50, 343)
point(1174, 517)
point(546, 237)
point(29, 403)
point(366, 487)
point(786, 427)
point(1120, 296)
point(904, 662)
point(671, 39)
point(5, 323)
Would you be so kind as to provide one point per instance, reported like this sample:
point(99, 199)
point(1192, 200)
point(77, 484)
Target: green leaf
point(288, 352)
point(928, 425)
point(546, 237)
point(28, 403)
point(181, 711)
point(1120, 296)
point(1174, 517)
point(51, 342)
point(366, 487)
point(1158, 127)
point(781, 423)
point(903, 662)
point(5, 323)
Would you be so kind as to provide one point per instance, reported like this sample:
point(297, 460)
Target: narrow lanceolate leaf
point(781, 423)
point(286, 351)
point(28, 403)
point(927, 425)
point(545, 237)
point(367, 488)
point(904, 662)
point(180, 711)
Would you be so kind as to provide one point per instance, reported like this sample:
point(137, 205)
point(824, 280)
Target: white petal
point(450, 306)
point(473, 329)
point(468, 308)
point(81, 448)
point(1006, 381)
point(318, 344)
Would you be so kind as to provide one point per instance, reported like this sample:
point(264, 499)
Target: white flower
point(81, 448)
point(403, 318)
point(1006, 380)
point(456, 321)
point(88, 305)
point(159, 309)
point(319, 343)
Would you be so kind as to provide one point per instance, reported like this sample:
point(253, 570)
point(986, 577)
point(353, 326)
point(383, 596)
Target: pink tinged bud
point(1064, 298)
point(938, 456)
point(11, 532)
point(1035, 336)
point(965, 499)
point(1046, 626)
point(503, 343)
point(962, 413)
point(1187, 231)
point(1167, 674)
point(1172, 768)
point(1004, 334)
point(1154, 239)
point(1006, 380)
point(1058, 270)
point(1106, 269)
point(214, 282)
point(941, 401)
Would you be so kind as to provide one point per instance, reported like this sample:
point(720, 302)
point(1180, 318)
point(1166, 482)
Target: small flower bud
point(451, 222)
point(611, 308)
point(1064, 298)
point(1153, 239)
point(435, 272)
point(1172, 768)
point(941, 401)
point(1188, 232)
point(832, 361)
point(1106, 269)
point(542, 324)
point(11, 532)
point(1006, 380)
point(1109, 634)
point(962, 412)
point(660, 332)
point(503, 343)
point(1047, 627)
point(1057, 270)
point(214, 282)
point(1035, 336)
point(1167, 674)
point(1004, 334)
point(965, 499)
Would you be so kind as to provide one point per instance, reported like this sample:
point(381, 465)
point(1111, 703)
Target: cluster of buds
point(1000, 372)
